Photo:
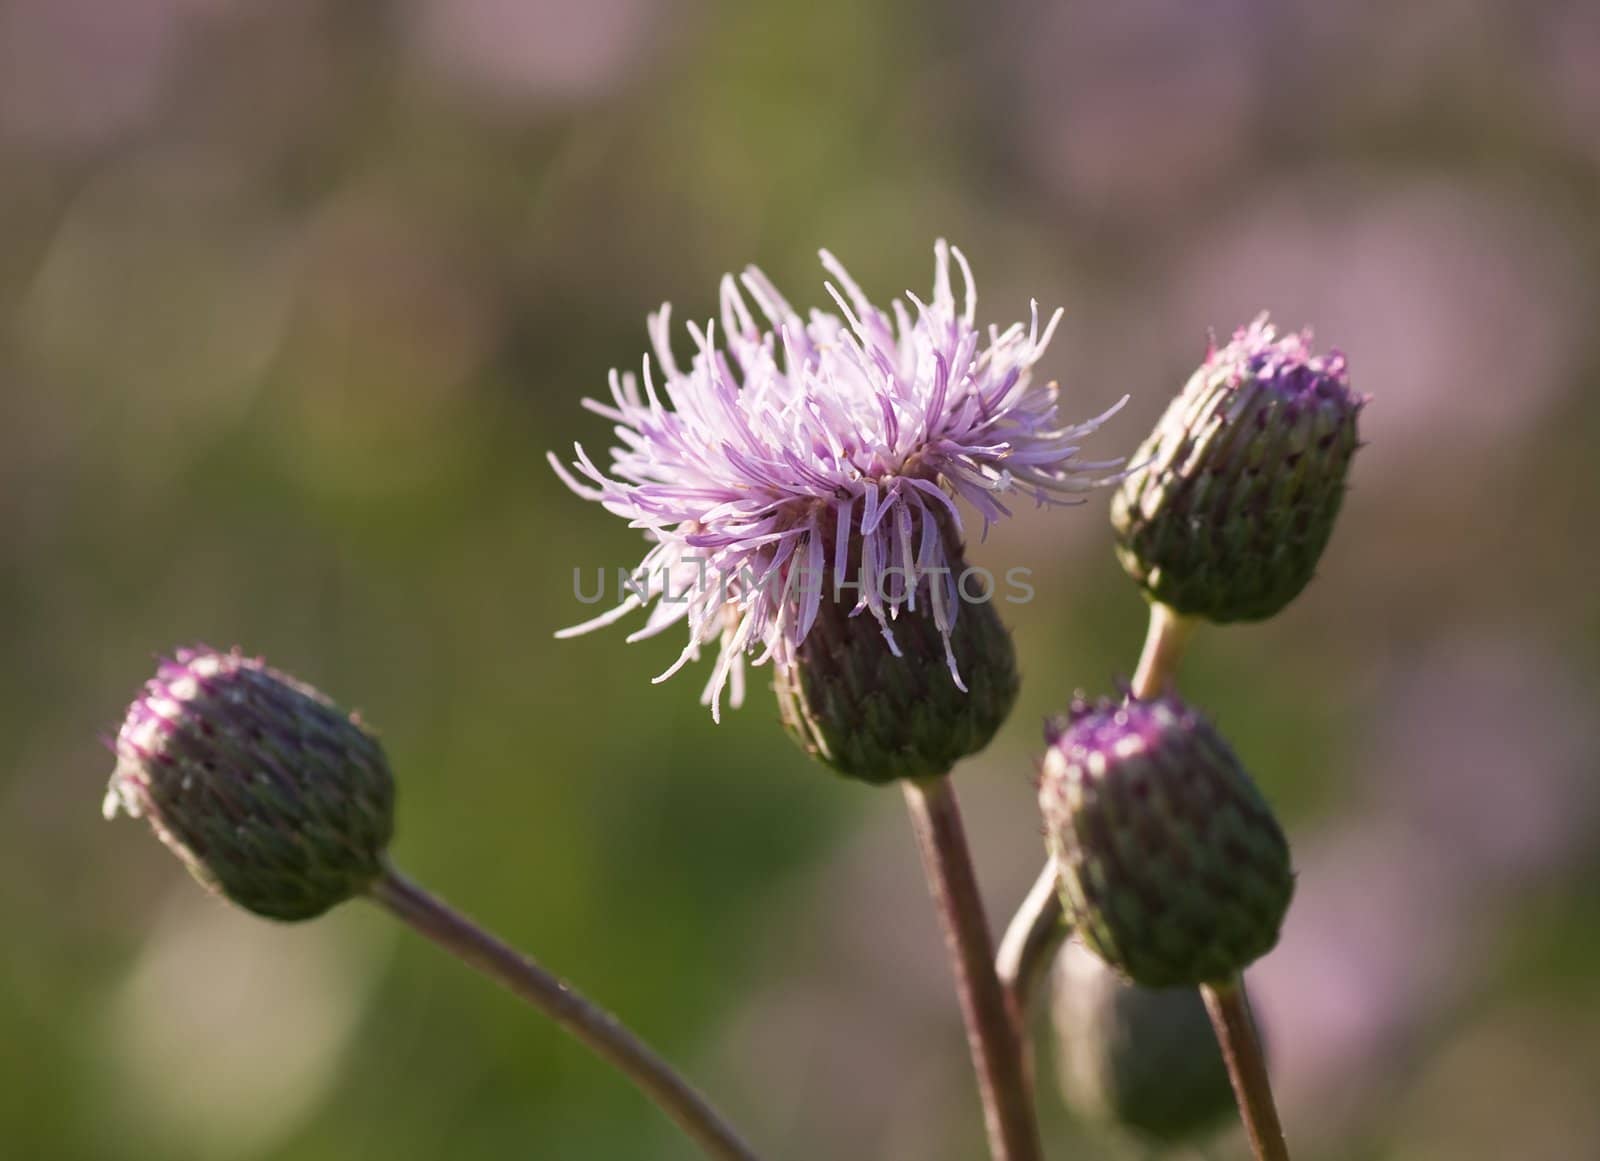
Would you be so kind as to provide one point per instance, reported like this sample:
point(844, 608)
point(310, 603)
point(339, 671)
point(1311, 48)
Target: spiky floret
point(1173, 868)
point(758, 471)
point(1233, 497)
point(270, 793)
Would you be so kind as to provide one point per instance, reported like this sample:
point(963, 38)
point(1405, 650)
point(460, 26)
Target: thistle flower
point(1142, 1060)
point(1173, 869)
point(1234, 495)
point(268, 792)
point(814, 445)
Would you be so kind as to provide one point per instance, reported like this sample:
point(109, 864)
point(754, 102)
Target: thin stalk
point(1036, 932)
point(1247, 1067)
point(992, 1036)
point(1164, 646)
point(590, 1024)
point(1030, 943)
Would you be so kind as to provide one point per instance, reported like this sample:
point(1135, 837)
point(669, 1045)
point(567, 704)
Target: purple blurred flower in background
point(824, 441)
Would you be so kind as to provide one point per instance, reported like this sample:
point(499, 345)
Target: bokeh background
point(294, 297)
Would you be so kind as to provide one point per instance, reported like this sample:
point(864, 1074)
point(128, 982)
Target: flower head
point(1173, 868)
point(1234, 496)
point(268, 792)
point(762, 471)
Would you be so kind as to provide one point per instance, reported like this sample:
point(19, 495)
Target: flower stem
point(1164, 646)
point(1247, 1067)
point(992, 1036)
point(1035, 934)
point(596, 1028)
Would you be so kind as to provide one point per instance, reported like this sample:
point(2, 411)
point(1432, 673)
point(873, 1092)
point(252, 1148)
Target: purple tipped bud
point(272, 795)
point(1235, 493)
point(1141, 1060)
point(1173, 868)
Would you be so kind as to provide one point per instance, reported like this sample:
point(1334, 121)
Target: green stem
point(992, 1036)
point(1029, 946)
point(1226, 1002)
point(592, 1025)
point(1164, 646)
point(1247, 1067)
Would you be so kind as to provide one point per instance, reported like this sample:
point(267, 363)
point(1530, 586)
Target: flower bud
point(272, 795)
point(1235, 493)
point(1173, 869)
point(1137, 1059)
point(880, 711)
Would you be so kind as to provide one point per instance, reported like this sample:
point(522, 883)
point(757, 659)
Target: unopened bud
point(1138, 1059)
point(272, 795)
point(1234, 496)
point(1173, 868)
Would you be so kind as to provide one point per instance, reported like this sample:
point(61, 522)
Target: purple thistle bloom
point(757, 469)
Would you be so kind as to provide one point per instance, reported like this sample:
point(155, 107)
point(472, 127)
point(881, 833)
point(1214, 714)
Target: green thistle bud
point(1173, 869)
point(1237, 489)
point(880, 710)
point(1138, 1059)
point(268, 792)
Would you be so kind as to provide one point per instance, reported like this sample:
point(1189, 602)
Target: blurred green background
point(295, 296)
